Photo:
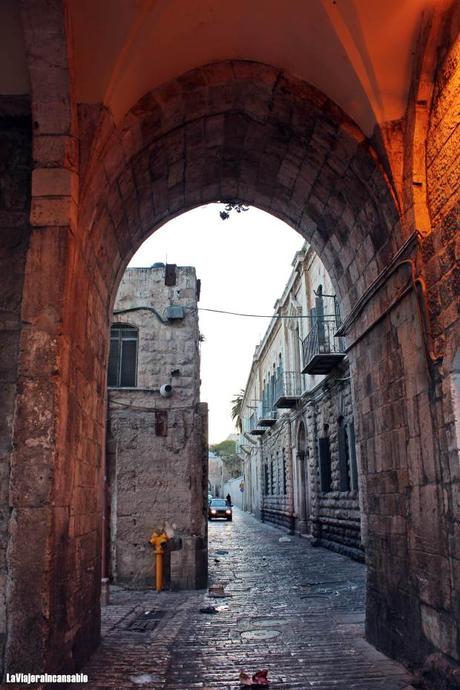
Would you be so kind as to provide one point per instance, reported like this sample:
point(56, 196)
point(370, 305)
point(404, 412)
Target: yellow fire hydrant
point(159, 541)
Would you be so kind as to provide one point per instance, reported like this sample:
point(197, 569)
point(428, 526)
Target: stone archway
point(233, 130)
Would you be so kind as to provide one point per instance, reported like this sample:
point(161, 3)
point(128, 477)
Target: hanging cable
point(152, 310)
point(264, 316)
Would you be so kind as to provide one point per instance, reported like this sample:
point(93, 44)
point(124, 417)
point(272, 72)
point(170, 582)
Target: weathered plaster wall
point(156, 464)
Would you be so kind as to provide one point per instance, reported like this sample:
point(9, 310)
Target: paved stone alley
point(295, 610)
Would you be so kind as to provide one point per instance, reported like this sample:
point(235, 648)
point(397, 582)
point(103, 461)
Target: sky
point(243, 263)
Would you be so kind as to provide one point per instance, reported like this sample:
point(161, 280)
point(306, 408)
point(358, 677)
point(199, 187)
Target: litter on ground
point(259, 679)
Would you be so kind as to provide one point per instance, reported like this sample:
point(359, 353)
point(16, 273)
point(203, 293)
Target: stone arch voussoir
point(242, 130)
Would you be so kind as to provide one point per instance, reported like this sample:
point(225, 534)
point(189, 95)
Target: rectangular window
point(344, 457)
point(128, 363)
point(122, 370)
point(266, 480)
point(352, 455)
point(272, 478)
point(324, 453)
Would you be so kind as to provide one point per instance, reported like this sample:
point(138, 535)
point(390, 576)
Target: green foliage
point(237, 404)
point(227, 451)
point(224, 448)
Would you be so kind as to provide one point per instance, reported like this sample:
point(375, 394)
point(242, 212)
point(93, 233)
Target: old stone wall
point(277, 489)
point(404, 375)
point(15, 172)
point(440, 609)
point(404, 537)
point(156, 464)
point(333, 516)
point(335, 519)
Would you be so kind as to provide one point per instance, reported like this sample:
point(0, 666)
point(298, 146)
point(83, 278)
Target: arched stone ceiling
point(358, 52)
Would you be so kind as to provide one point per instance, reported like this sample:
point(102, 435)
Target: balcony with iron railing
point(252, 424)
point(268, 415)
point(321, 350)
point(288, 389)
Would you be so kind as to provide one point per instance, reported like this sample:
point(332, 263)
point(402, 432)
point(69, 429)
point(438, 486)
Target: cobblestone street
point(292, 609)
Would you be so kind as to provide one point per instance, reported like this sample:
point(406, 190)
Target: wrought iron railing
point(321, 339)
point(252, 423)
point(288, 384)
point(268, 412)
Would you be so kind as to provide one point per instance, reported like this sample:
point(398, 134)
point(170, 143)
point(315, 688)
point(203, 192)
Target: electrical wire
point(152, 310)
point(265, 316)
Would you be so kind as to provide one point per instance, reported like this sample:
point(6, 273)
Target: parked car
point(219, 508)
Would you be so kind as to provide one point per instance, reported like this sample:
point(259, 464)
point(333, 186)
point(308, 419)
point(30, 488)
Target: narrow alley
point(295, 610)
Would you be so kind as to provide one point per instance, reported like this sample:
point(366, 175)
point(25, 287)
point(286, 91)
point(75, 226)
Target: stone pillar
point(54, 576)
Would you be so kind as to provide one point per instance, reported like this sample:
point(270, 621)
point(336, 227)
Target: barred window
point(325, 473)
point(122, 371)
point(344, 456)
point(266, 481)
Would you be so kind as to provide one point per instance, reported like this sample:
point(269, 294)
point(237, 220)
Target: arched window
point(123, 356)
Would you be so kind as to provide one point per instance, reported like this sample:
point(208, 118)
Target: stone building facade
point(156, 428)
point(298, 441)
